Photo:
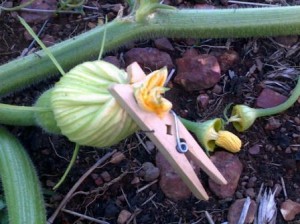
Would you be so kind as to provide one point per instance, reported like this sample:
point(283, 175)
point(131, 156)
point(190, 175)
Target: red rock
point(148, 58)
point(269, 98)
point(164, 44)
point(289, 209)
point(38, 17)
point(231, 168)
point(235, 211)
point(198, 72)
point(113, 60)
point(170, 182)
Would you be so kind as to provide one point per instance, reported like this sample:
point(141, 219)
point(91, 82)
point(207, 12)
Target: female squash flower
point(210, 135)
point(148, 93)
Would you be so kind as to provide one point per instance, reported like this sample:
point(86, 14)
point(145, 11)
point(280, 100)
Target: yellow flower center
point(148, 93)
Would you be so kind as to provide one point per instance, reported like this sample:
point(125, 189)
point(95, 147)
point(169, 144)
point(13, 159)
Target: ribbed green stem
point(282, 107)
point(20, 183)
point(163, 22)
point(18, 115)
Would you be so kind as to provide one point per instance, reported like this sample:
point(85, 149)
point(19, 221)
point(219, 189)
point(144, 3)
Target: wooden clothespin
point(162, 132)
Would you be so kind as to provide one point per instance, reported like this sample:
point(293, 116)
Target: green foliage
point(3, 211)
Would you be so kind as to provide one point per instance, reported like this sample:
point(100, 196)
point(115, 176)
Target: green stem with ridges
point(219, 23)
point(20, 183)
point(281, 107)
point(19, 115)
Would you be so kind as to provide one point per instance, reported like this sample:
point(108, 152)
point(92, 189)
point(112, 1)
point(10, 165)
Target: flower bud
point(85, 111)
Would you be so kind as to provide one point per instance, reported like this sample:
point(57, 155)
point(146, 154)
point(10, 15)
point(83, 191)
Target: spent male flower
point(210, 135)
point(148, 93)
point(242, 117)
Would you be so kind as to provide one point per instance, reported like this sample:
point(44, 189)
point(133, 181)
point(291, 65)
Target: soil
point(277, 158)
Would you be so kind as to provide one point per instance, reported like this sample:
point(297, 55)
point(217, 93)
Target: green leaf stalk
point(156, 22)
point(20, 182)
point(243, 116)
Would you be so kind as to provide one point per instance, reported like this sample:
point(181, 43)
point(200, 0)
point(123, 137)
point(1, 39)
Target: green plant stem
point(18, 115)
point(281, 107)
point(70, 165)
point(20, 183)
point(17, 7)
point(163, 22)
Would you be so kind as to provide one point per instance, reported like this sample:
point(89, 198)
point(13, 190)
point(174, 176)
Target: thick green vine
point(219, 23)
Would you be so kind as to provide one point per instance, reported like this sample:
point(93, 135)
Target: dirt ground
point(279, 147)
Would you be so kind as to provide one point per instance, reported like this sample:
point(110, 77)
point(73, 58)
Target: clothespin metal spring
point(181, 145)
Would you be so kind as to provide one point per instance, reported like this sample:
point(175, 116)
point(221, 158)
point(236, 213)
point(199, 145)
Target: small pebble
point(202, 101)
point(105, 176)
point(228, 59)
point(254, 150)
point(239, 195)
point(135, 181)
point(123, 216)
point(117, 158)
point(250, 192)
point(217, 89)
point(198, 72)
point(251, 182)
point(150, 172)
point(150, 146)
point(98, 181)
point(149, 58)
point(163, 44)
point(272, 124)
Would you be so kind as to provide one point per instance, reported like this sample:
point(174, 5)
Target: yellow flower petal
point(229, 141)
point(148, 94)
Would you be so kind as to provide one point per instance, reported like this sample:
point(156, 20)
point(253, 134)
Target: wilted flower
point(148, 93)
point(210, 134)
point(242, 117)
